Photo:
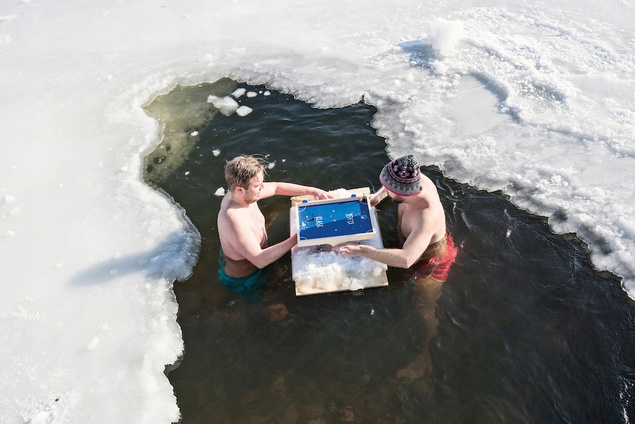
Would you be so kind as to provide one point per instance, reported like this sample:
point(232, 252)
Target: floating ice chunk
point(243, 111)
point(252, 94)
point(238, 92)
point(8, 198)
point(226, 105)
point(271, 165)
point(216, 152)
point(267, 93)
point(220, 192)
point(194, 133)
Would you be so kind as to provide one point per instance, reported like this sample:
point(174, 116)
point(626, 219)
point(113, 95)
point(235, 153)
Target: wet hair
point(241, 170)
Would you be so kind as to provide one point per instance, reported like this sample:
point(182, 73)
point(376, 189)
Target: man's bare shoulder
point(233, 213)
point(229, 211)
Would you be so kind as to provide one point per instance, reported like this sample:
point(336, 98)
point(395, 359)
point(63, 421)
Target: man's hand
point(320, 194)
point(377, 197)
point(349, 249)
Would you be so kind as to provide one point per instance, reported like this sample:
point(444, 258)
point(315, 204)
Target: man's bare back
point(421, 216)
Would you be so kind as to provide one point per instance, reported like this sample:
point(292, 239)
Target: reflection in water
point(426, 292)
point(429, 276)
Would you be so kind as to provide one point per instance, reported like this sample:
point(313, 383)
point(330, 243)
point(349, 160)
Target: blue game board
point(335, 221)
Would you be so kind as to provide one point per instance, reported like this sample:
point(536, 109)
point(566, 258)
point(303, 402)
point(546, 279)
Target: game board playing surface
point(334, 221)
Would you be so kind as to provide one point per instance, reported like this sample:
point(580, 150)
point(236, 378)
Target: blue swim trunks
point(240, 284)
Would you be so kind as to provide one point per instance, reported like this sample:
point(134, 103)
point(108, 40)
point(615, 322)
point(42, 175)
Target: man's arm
point(405, 257)
point(246, 244)
point(378, 196)
point(290, 189)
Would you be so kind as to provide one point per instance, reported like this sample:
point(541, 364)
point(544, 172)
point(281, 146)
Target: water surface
point(527, 331)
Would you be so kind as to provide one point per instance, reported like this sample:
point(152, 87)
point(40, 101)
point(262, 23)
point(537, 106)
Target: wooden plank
point(357, 191)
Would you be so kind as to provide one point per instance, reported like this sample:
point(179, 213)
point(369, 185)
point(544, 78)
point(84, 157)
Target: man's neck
point(236, 200)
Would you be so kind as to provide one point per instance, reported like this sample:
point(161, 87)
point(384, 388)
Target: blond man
point(241, 224)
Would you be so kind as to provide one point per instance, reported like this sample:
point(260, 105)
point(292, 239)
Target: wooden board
point(317, 270)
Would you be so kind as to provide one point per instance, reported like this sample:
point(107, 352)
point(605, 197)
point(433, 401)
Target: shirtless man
point(427, 250)
point(421, 223)
point(241, 224)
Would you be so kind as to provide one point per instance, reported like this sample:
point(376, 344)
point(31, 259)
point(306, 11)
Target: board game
point(334, 221)
point(316, 269)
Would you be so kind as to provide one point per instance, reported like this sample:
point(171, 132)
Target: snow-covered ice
point(535, 100)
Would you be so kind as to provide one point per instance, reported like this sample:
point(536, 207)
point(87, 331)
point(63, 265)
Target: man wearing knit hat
point(421, 219)
point(427, 250)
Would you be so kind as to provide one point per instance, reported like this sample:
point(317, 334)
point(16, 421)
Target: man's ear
point(239, 190)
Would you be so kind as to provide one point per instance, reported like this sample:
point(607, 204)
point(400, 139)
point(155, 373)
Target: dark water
point(527, 331)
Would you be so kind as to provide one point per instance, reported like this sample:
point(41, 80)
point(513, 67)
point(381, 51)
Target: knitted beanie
point(402, 176)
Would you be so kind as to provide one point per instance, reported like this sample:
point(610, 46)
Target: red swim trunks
point(438, 266)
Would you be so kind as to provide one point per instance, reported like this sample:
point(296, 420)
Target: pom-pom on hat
point(402, 177)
